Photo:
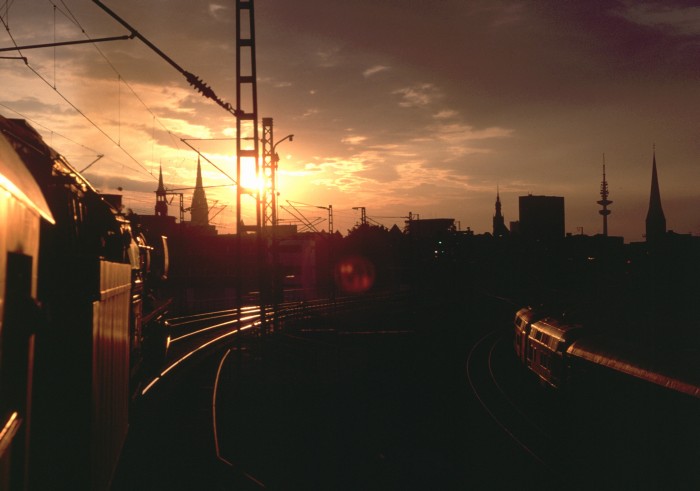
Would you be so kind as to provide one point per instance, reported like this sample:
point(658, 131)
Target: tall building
point(541, 217)
point(499, 226)
point(656, 221)
point(200, 208)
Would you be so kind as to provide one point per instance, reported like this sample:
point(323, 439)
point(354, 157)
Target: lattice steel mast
point(269, 168)
point(247, 146)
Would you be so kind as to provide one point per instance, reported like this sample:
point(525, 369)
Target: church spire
point(161, 197)
point(498, 202)
point(656, 221)
point(499, 227)
point(200, 208)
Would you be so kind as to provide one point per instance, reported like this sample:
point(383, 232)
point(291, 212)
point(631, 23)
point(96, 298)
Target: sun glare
point(250, 179)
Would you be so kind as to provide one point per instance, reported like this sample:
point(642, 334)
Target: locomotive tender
point(79, 319)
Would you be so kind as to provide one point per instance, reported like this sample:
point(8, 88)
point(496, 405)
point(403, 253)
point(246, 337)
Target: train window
point(20, 318)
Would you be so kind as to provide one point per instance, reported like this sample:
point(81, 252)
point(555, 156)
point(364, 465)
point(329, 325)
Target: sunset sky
point(399, 106)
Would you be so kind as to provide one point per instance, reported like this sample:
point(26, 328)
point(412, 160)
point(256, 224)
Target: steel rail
point(480, 396)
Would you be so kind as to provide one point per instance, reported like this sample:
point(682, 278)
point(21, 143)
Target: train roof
point(527, 313)
point(16, 179)
point(677, 370)
point(555, 328)
point(40, 160)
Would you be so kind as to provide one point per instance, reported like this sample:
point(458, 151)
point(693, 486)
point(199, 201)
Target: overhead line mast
point(246, 114)
point(269, 168)
point(247, 147)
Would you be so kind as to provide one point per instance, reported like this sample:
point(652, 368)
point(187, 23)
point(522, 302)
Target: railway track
point(194, 334)
point(525, 414)
point(364, 400)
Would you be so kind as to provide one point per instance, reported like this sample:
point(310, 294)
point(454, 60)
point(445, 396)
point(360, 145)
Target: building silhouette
point(499, 226)
point(656, 221)
point(161, 196)
point(430, 228)
point(541, 217)
point(200, 208)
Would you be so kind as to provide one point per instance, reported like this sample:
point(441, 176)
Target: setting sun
point(250, 179)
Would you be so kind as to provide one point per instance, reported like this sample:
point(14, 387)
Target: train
point(565, 355)
point(82, 319)
point(542, 341)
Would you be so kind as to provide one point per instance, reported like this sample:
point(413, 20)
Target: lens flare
point(354, 274)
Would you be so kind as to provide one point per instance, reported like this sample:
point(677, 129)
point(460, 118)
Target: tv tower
point(604, 202)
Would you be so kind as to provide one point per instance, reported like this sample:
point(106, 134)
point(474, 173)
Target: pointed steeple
point(498, 202)
point(161, 197)
point(656, 221)
point(499, 226)
point(200, 208)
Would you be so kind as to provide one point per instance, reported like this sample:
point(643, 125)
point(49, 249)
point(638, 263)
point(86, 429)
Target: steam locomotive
point(82, 319)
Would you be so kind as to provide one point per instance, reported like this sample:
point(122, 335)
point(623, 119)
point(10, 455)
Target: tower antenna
point(604, 202)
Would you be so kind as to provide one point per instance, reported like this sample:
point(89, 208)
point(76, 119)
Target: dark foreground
point(381, 400)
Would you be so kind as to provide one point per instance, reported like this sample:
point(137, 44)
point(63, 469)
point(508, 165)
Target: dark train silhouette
point(82, 321)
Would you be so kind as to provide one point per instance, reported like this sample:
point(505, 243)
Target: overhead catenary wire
point(37, 123)
point(71, 17)
point(68, 14)
point(192, 79)
point(184, 140)
point(56, 133)
point(134, 33)
point(70, 103)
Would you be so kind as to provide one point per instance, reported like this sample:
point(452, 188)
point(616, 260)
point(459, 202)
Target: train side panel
point(79, 315)
point(80, 363)
point(110, 370)
point(17, 329)
point(547, 344)
point(21, 207)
